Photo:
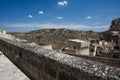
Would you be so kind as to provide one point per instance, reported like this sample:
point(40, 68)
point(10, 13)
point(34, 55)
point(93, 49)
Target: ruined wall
point(43, 64)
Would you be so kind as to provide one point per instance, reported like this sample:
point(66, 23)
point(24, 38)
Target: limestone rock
point(115, 26)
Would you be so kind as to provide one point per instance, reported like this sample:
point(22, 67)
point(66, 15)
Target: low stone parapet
point(43, 64)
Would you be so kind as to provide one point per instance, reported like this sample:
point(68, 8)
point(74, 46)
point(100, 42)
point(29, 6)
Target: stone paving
point(8, 71)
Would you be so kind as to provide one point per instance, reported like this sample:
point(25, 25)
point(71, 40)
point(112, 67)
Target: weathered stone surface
point(115, 25)
point(43, 64)
point(8, 71)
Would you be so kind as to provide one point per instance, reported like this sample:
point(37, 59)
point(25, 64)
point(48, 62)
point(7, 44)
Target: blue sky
point(27, 15)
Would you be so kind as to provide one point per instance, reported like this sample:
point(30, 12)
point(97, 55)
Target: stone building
point(94, 44)
point(77, 46)
point(109, 45)
point(100, 47)
point(116, 40)
point(114, 33)
point(2, 33)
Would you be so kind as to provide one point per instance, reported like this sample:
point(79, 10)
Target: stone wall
point(42, 64)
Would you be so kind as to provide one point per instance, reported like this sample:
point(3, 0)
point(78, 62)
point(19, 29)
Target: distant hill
point(59, 37)
point(56, 36)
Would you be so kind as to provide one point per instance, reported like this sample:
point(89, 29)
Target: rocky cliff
point(115, 25)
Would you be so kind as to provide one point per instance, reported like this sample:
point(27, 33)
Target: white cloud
point(30, 16)
point(88, 17)
point(40, 12)
point(59, 17)
point(53, 25)
point(62, 3)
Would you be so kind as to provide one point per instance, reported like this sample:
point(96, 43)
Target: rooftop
point(77, 40)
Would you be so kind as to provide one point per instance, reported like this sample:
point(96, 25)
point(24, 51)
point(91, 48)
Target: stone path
point(8, 71)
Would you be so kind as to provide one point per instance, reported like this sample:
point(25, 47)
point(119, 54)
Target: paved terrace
point(42, 64)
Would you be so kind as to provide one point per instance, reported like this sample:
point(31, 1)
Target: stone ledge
point(88, 67)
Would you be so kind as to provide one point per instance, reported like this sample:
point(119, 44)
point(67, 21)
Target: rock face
point(115, 26)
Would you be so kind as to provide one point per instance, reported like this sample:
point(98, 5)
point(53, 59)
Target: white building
point(2, 33)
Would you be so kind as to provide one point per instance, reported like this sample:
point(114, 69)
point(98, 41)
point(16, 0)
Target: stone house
point(77, 46)
point(2, 33)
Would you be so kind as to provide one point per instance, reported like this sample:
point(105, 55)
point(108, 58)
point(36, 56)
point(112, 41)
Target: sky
point(27, 15)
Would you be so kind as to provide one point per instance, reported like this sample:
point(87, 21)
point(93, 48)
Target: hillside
point(57, 37)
